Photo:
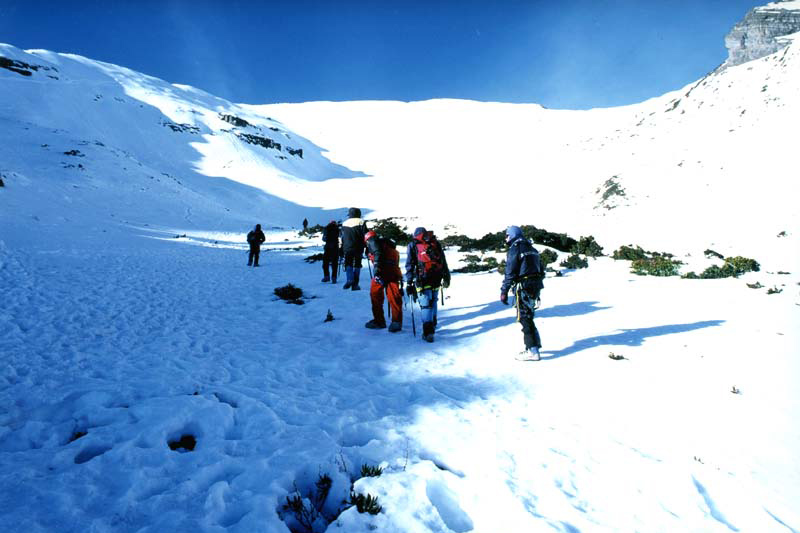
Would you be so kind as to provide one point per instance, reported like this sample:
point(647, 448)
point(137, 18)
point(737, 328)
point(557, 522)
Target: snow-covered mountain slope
point(84, 141)
point(712, 162)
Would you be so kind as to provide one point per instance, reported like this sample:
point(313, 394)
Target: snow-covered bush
point(387, 227)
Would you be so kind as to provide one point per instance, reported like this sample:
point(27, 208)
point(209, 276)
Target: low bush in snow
point(547, 257)
point(311, 230)
point(575, 261)
point(656, 266)
point(290, 293)
point(475, 263)
point(313, 258)
point(587, 246)
point(387, 227)
point(733, 267)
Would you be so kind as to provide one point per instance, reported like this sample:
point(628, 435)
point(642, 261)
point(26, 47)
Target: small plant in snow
point(365, 504)
point(371, 471)
point(587, 246)
point(616, 357)
point(656, 266)
point(313, 258)
point(755, 285)
point(734, 390)
point(329, 317)
point(774, 290)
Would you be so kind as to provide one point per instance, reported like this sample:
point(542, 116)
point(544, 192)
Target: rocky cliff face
point(759, 33)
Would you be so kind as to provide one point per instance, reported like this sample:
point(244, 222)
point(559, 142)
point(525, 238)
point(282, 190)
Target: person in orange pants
point(383, 253)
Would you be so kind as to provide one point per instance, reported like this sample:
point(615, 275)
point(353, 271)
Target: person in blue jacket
point(524, 274)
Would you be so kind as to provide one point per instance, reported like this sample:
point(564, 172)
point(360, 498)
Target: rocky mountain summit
point(759, 33)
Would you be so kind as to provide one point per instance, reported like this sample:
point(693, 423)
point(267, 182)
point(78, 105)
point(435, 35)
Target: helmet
point(370, 234)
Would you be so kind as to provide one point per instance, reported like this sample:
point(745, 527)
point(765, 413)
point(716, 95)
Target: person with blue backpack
point(524, 275)
point(426, 273)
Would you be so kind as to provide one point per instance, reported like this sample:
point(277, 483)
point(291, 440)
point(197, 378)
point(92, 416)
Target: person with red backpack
point(426, 273)
point(383, 253)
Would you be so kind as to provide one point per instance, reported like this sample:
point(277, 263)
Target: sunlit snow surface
point(128, 318)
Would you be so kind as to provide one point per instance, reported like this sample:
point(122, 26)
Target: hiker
point(305, 224)
point(330, 255)
point(353, 231)
point(426, 272)
point(254, 238)
point(524, 274)
point(387, 276)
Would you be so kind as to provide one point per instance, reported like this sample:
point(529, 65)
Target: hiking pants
point(392, 289)
point(252, 259)
point(353, 259)
point(526, 304)
point(330, 263)
point(428, 304)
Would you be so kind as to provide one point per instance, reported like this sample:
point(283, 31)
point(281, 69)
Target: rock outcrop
point(759, 33)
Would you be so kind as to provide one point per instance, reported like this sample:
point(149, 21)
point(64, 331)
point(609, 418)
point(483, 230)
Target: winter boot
point(356, 275)
point(326, 279)
point(531, 354)
point(372, 324)
point(427, 331)
point(349, 273)
point(394, 327)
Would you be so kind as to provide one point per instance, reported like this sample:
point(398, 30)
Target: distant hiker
point(426, 272)
point(383, 253)
point(330, 255)
point(305, 224)
point(254, 238)
point(353, 231)
point(524, 273)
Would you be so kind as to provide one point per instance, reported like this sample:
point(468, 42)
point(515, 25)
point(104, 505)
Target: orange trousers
point(392, 289)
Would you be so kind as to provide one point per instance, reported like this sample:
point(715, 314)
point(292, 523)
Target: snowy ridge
point(151, 382)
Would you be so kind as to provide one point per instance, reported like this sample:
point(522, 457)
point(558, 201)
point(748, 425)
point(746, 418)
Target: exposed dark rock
point(759, 33)
point(233, 119)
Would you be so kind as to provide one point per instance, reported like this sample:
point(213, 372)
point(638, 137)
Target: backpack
point(430, 262)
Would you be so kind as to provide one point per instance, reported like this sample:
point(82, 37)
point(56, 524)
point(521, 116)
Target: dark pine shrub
point(656, 266)
point(290, 293)
point(588, 247)
point(387, 227)
point(575, 261)
point(547, 256)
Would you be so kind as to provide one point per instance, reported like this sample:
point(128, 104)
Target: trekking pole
point(413, 320)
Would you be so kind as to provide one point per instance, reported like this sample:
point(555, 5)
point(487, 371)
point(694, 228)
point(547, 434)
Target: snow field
point(143, 341)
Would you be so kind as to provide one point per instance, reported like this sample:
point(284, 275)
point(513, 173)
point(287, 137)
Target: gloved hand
point(411, 290)
point(504, 297)
point(446, 281)
point(379, 281)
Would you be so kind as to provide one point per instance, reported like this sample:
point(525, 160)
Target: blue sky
point(574, 54)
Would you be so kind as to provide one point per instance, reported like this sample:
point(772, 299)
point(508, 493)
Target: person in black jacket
point(353, 231)
point(524, 273)
point(330, 255)
point(254, 238)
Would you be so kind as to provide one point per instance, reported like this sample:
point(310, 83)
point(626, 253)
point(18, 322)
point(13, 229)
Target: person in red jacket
point(383, 253)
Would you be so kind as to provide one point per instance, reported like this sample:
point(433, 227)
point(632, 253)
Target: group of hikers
point(426, 274)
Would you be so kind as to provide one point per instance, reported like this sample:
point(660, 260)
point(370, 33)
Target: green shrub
point(560, 241)
point(629, 253)
point(311, 231)
point(371, 471)
point(656, 266)
point(740, 265)
point(588, 247)
point(290, 293)
point(387, 227)
point(711, 253)
point(575, 261)
point(546, 257)
point(475, 263)
point(732, 268)
point(365, 504)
